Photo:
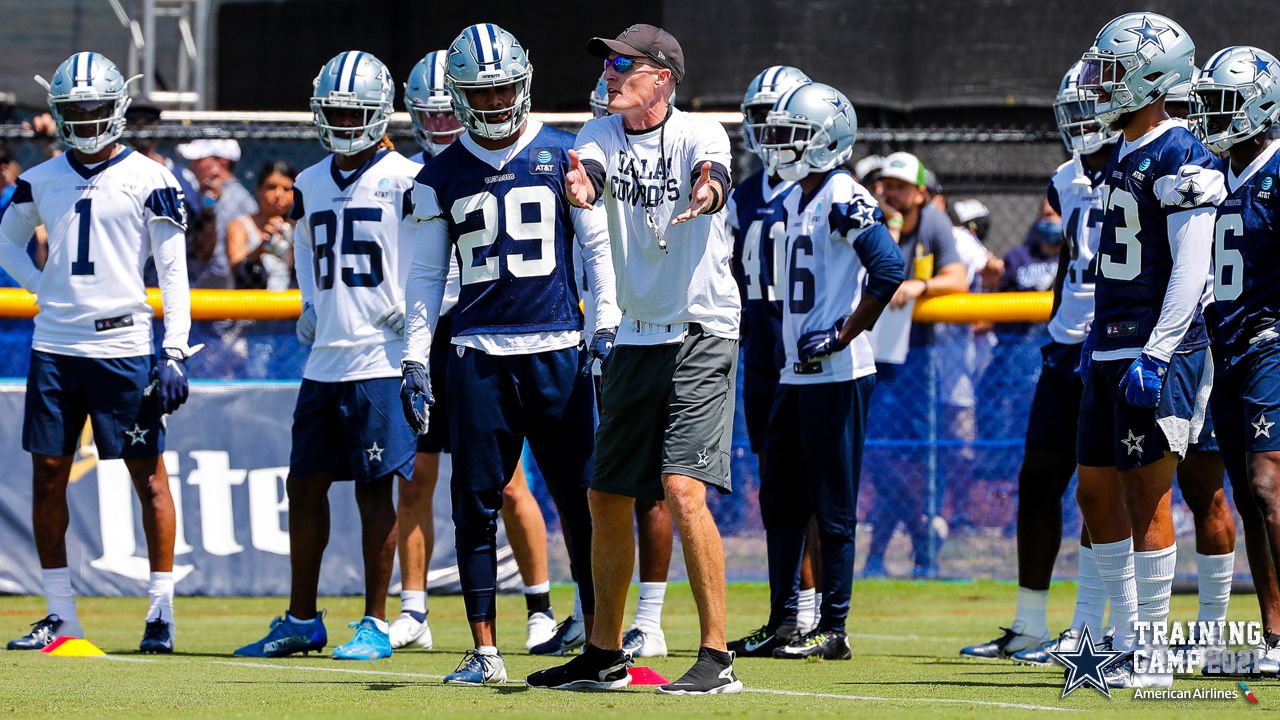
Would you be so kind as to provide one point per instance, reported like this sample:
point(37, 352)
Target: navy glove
point(413, 387)
point(815, 344)
point(1086, 358)
point(1143, 381)
point(169, 377)
point(601, 346)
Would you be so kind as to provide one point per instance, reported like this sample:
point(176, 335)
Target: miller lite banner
point(227, 453)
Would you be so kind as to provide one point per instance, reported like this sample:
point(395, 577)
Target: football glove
point(1143, 381)
point(817, 343)
point(306, 327)
point(169, 378)
point(1086, 358)
point(601, 346)
point(413, 387)
point(392, 319)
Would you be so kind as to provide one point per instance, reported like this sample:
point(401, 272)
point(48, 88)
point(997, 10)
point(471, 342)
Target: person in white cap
point(222, 199)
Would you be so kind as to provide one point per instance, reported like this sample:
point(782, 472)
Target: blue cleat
point(45, 631)
point(476, 669)
point(369, 643)
point(287, 637)
point(157, 638)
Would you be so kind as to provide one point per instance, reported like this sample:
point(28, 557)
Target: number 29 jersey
point(1165, 172)
point(352, 251)
point(513, 234)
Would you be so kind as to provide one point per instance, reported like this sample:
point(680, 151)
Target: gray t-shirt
point(927, 249)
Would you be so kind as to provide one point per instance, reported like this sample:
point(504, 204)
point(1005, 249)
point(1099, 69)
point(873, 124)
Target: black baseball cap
point(641, 40)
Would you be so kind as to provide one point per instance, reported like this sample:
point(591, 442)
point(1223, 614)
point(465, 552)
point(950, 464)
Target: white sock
point(300, 621)
point(817, 608)
point(1032, 614)
point(413, 601)
point(649, 609)
point(1091, 596)
point(1214, 573)
point(577, 603)
point(382, 625)
point(538, 589)
point(161, 592)
point(806, 609)
point(60, 599)
point(1116, 568)
point(487, 650)
point(1154, 572)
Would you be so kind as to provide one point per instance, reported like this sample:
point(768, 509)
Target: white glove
point(306, 327)
point(392, 319)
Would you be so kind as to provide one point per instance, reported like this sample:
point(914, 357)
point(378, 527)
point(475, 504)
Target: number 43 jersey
point(1150, 189)
point(352, 248)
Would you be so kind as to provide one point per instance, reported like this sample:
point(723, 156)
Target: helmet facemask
point(337, 135)
point(1081, 132)
point(1219, 115)
point(785, 142)
point(496, 124)
point(89, 124)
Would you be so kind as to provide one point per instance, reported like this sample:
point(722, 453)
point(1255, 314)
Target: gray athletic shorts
point(666, 409)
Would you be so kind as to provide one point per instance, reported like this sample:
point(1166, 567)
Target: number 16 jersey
point(352, 250)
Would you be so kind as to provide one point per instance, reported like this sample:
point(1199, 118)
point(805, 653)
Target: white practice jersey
point(454, 282)
point(1078, 199)
point(99, 219)
point(823, 276)
point(352, 250)
point(648, 179)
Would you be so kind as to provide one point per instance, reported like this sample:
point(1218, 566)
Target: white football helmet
point(352, 81)
point(486, 56)
point(1135, 60)
point(762, 93)
point(1081, 131)
point(88, 93)
point(429, 104)
point(1236, 97)
point(811, 128)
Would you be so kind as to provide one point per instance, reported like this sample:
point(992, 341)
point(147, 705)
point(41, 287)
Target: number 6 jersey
point(352, 249)
point(1159, 194)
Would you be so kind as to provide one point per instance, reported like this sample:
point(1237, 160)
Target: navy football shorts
point(1246, 400)
point(1055, 406)
point(353, 429)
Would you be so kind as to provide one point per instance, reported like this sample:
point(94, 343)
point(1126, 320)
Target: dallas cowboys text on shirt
point(629, 183)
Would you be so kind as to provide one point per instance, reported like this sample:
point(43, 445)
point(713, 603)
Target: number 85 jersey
point(1156, 188)
point(352, 250)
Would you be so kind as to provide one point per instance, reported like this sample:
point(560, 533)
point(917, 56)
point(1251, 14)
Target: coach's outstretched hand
point(415, 387)
point(170, 379)
point(702, 197)
point(1143, 381)
point(578, 184)
point(306, 327)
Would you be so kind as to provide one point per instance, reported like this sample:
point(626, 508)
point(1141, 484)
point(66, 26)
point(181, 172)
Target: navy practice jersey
point(1246, 255)
point(759, 248)
point(1166, 172)
point(513, 236)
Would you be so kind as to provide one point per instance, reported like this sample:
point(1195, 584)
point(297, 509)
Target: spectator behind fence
point(38, 248)
point(903, 412)
point(260, 245)
point(141, 116)
point(221, 199)
point(1033, 265)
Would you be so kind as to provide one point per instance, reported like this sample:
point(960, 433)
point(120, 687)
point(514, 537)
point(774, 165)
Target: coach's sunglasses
point(623, 65)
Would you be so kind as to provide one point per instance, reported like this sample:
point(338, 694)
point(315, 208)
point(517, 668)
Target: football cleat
point(1269, 663)
point(539, 629)
point(287, 637)
point(1003, 647)
point(157, 637)
point(825, 644)
point(708, 676)
point(369, 642)
point(569, 635)
point(762, 642)
point(476, 669)
point(874, 568)
point(642, 643)
point(1122, 675)
point(408, 630)
point(1067, 641)
point(43, 632)
point(594, 669)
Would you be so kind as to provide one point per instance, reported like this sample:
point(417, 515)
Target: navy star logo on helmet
point(1148, 34)
point(1260, 65)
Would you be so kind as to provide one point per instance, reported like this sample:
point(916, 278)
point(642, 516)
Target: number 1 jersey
point(352, 250)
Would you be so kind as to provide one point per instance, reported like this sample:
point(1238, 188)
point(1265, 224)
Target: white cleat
point(539, 628)
point(406, 631)
point(1122, 675)
point(644, 642)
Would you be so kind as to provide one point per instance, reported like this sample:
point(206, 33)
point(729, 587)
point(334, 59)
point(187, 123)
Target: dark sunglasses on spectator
point(623, 64)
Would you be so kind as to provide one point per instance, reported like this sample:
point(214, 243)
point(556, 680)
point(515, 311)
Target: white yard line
point(764, 691)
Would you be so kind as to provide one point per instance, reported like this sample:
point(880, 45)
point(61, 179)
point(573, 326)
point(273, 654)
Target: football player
point(496, 200)
point(353, 245)
point(1145, 366)
point(1237, 102)
point(435, 127)
point(1049, 459)
point(842, 267)
point(755, 216)
point(107, 209)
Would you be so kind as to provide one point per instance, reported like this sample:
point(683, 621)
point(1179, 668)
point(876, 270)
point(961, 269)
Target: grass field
point(905, 641)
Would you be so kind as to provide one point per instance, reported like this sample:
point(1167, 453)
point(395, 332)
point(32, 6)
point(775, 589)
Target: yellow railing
point(266, 305)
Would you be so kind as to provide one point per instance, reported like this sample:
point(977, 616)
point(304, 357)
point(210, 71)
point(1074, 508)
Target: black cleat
point(43, 632)
point(761, 643)
point(825, 644)
point(594, 669)
point(157, 638)
point(712, 674)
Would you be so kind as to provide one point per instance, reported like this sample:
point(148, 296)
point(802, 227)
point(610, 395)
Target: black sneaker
point(712, 674)
point(43, 632)
point(594, 669)
point(157, 638)
point(761, 643)
point(825, 644)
